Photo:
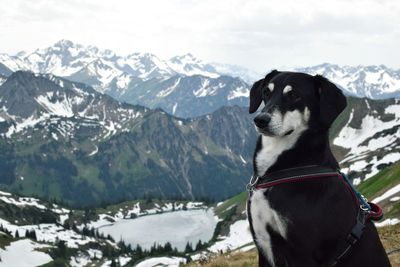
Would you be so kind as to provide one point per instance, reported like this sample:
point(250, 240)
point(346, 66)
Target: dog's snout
point(262, 120)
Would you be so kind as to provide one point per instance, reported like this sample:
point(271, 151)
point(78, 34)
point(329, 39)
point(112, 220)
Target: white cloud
point(259, 34)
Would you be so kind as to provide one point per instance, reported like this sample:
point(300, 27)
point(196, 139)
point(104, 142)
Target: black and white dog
point(303, 224)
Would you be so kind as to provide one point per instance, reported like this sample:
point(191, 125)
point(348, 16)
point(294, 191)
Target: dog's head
point(294, 100)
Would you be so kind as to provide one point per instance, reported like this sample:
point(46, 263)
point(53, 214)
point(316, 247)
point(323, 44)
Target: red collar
point(297, 174)
point(311, 172)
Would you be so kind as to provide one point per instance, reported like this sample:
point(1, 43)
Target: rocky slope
point(64, 140)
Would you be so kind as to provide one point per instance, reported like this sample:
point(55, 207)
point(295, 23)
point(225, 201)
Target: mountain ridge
point(69, 140)
point(145, 79)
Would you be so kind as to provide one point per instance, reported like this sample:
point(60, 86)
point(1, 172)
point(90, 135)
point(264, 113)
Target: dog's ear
point(256, 91)
point(332, 101)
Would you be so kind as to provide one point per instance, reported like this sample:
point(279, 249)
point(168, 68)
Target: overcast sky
point(259, 34)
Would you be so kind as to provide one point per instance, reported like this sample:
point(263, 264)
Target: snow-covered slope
point(245, 74)
point(64, 58)
point(145, 66)
point(32, 256)
point(34, 232)
point(369, 136)
point(68, 59)
point(133, 78)
point(183, 96)
point(13, 63)
point(46, 232)
point(189, 65)
point(28, 99)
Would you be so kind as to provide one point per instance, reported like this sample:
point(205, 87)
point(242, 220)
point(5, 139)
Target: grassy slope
point(379, 184)
point(389, 236)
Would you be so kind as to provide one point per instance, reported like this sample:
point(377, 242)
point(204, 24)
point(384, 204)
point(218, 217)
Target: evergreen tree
point(34, 235)
point(139, 251)
point(62, 249)
point(188, 247)
point(199, 245)
point(27, 233)
point(167, 247)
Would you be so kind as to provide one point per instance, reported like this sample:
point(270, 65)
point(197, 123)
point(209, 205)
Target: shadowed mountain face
point(64, 140)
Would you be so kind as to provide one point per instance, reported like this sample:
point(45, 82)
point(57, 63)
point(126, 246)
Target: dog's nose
point(262, 120)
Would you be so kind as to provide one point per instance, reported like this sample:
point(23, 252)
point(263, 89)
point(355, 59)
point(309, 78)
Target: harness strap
point(366, 210)
point(351, 239)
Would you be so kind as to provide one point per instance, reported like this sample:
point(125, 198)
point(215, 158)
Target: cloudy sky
point(259, 34)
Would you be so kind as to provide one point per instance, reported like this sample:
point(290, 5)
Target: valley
point(137, 232)
point(130, 160)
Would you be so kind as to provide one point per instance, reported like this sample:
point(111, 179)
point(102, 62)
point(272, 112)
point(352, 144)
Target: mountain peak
point(187, 58)
point(64, 43)
point(21, 75)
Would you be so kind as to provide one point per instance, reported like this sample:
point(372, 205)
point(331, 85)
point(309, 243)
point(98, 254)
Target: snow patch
point(387, 222)
point(169, 90)
point(239, 235)
point(240, 91)
point(23, 253)
point(162, 261)
point(387, 194)
point(94, 152)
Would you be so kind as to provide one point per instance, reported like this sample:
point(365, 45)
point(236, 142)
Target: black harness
point(366, 211)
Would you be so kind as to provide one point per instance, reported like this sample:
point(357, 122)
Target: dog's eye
point(293, 96)
point(265, 93)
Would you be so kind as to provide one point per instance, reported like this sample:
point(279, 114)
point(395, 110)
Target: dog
point(303, 223)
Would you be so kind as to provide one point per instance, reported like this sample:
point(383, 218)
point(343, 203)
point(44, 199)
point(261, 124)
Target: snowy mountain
point(145, 66)
point(145, 79)
point(247, 75)
point(375, 82)
point(28, 99)
point(12, 63)
point(182, 96)
point(59, 138)
point(64, 58)
point(48, 124)
point(127, 77)
point(189, 65)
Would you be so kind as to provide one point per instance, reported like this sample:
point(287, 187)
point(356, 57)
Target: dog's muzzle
point(262, 120)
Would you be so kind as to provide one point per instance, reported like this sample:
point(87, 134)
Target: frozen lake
point(176, 227)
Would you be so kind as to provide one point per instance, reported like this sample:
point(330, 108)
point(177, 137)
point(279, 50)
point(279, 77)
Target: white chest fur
point(262, 215)
point(272, 147)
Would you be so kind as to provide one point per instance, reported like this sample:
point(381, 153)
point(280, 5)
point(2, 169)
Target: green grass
point(341, 120)
point(91, 175)
point(239, 200)
point(381, 182)
point(394, 211)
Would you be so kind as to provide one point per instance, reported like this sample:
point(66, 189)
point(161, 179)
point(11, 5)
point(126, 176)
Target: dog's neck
point(298, 149)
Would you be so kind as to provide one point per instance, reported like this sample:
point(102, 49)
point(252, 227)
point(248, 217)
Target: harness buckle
point(251, 185)
point(351, 239)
